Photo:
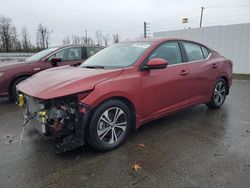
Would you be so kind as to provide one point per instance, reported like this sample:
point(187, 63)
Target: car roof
point(77, 45)
point(160, 40)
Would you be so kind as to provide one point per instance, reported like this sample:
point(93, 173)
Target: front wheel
point(109, 125)
point(14, 93)
point(219, 94)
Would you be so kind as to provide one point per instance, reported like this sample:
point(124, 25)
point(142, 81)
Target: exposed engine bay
point(61, 120)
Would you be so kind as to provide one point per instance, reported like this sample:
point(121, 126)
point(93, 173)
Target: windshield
point(40, 54)
point(117, 55)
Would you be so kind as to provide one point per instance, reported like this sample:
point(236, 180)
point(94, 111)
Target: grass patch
point(241, 76)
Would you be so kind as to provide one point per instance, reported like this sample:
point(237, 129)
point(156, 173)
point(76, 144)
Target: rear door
point(200, 68)
point(164, 89)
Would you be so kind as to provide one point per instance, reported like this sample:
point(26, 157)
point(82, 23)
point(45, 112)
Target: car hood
point(63, 81)
point(6, 65)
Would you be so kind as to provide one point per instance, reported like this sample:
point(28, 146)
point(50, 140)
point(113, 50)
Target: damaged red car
point(122, 87)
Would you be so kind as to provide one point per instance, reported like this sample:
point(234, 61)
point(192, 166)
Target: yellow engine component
point(21, 100)
point(42, 115)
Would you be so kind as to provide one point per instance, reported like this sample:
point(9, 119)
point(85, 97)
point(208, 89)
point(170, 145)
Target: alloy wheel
point(112, 125)
point(219, 93)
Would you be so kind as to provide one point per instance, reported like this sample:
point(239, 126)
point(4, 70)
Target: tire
point(109, 125)
point(14, 95)
point(219, 94)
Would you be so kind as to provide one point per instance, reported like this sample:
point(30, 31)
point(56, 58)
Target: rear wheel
point(219, 94)
point(109, 125)
point(14, 93)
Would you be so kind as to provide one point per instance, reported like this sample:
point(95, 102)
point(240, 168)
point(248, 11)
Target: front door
point(69, 56)
point(165, 89)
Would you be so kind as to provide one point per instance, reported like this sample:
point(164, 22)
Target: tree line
point(100, 39)
point(12, 41)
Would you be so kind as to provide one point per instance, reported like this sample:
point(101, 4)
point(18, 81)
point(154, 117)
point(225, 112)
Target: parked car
point(11, 73)
point(121, 88)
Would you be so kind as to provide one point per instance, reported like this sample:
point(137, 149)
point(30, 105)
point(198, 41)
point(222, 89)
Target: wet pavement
point(197, 147)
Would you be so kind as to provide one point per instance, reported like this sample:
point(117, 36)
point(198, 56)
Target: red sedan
point(122, 87)
point(12, 73)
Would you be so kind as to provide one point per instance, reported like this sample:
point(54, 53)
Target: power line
point(174, 16)
point(228, 6)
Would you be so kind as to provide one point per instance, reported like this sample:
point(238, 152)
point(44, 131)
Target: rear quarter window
point(194, 52)
point(205, 51)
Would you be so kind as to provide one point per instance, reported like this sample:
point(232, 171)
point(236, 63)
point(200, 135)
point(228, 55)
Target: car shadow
point(5, 100)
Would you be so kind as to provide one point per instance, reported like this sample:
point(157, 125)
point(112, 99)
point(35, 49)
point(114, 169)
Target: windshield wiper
point(94, 67)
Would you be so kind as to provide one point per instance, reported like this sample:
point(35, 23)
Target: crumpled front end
point(62, 120)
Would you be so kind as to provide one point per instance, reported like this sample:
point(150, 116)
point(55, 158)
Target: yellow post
point(21, 100)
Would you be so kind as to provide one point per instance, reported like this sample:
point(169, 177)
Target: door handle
point(36, 69)
point(184, 73)
point(214, 65)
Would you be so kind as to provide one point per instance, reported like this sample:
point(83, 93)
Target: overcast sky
point(69, 17)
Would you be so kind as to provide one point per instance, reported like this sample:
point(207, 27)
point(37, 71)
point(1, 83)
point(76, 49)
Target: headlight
point(1, 74)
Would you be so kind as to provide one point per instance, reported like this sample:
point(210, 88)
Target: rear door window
point(92, 50)
point(194, 52)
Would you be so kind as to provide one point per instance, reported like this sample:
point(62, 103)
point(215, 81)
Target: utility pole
point(202, 8)
point(146, 29)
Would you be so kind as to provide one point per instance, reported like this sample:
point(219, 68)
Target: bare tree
point(91, 41)
point(42, 37)
point(66, 40)
point(98, 36)
point(76, 39)
point(105, 38)
point(83, 40)
point(116, 38)
point(26, 44)
point(1, 45)
point(15, 43)
point(5, 33)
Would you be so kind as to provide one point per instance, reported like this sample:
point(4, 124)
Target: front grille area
point(32, 104)
point(33, 107)
point(59, 120)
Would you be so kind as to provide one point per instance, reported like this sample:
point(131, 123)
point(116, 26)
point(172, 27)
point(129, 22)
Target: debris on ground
point(141, 145)
point(10, 139)
point(247, 165)
point(217, 154)
point(136, 167)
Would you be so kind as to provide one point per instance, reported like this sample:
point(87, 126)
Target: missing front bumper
point(61, 121)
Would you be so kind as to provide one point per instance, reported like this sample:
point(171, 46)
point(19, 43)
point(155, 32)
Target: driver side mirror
point(55, 60)
point(156, 63)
